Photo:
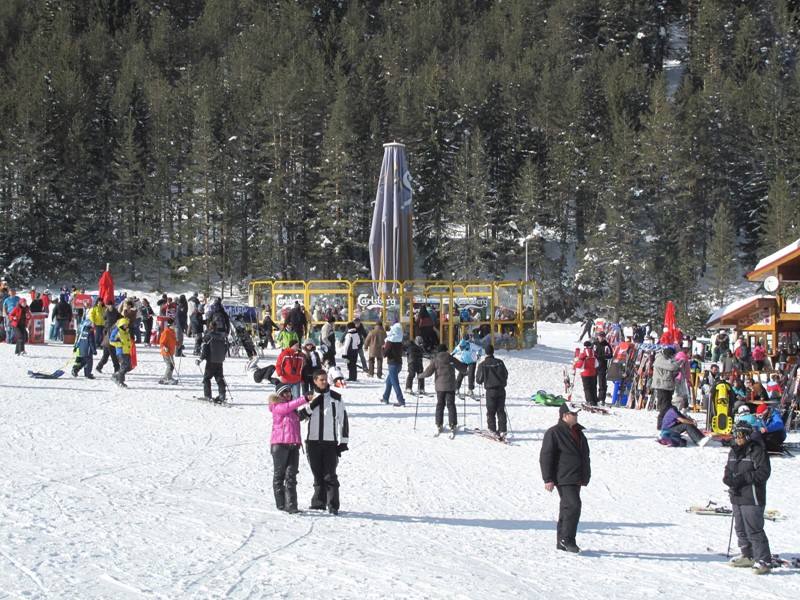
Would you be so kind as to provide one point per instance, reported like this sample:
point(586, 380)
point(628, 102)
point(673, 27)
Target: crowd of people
point(308, 384)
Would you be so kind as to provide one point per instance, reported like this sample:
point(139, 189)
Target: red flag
point(106, 287)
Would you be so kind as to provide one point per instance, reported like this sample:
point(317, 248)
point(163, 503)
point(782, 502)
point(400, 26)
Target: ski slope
point(141, 493)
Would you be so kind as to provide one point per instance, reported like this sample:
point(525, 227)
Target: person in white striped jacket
point(327, 437)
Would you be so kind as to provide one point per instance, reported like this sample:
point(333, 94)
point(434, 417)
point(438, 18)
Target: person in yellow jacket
point(97, 315)
point(120, 339)
point(168, 342)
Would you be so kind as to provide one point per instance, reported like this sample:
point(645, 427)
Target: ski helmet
point(743, 429)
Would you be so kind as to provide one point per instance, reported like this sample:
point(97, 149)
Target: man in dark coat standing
point(564, 460)
point(493, 375)
point(603, 352)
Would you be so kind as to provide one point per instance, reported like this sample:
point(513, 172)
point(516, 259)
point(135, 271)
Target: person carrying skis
point(445, 367)
point(168, 342)
point(746, 475)
point(665, 371)
point(327, 437)
point(85, 349)
point(565, 464)
point(285, 443)
point(493, 375)
point(214, 351)
point(587, 363)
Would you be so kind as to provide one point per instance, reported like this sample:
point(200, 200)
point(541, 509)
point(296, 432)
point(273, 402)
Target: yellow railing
point(500, 312)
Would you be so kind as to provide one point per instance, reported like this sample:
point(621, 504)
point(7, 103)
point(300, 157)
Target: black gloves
point(341, 448)
point(315, 401)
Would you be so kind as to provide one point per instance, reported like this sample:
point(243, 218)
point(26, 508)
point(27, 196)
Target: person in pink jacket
point(285, 447)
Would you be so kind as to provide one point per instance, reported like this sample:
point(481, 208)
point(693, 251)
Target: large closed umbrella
point(106, 287)
point(669, 324)
point(391, 249)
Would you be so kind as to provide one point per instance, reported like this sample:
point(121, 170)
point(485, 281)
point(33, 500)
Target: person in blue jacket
point(469, 354)
point(85, 349)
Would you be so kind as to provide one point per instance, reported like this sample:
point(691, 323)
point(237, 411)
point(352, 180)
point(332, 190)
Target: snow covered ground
point(139, 493)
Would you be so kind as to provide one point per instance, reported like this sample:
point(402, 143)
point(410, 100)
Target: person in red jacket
point(19, 318)
point(587, 363)
point(289, 368)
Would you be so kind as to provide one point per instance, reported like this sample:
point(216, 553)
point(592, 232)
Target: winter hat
point(309, 342)
point(762, 409)
point(463, 344)
point(568, 408)
point(170, 321)
point(23, 301)
point(587, 344)
point(418, 340)
point(601, 334)
point(743, 410)
point(283, 388)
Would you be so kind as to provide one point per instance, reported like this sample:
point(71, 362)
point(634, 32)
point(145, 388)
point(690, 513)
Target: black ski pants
point(663, 402)
point(448, 398)
point(496, 407)
point(323, 460)
point(108, 353)
point(470, 376)
point(285, 463)
point(21, 333)
point(413, 371)
point(569, 513)
point(590, 388)
point(213, 369)
point(602, 386)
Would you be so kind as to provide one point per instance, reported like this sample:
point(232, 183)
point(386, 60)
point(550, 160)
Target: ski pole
point(178, 369)
point(227, 389)
point(416, 410)
point(730, 537)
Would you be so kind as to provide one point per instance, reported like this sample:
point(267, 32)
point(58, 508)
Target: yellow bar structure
point(501, 312)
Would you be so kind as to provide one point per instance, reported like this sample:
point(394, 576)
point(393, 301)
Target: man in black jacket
point(493, 375)
point(603, 352)
point(564, 460)
point(213, 351)
point(746, 474)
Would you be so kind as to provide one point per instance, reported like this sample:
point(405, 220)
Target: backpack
point(743, 352)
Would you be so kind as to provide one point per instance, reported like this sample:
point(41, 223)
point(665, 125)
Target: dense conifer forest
point(642, 146)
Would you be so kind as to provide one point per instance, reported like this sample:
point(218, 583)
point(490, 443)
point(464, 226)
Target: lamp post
point(525, 240)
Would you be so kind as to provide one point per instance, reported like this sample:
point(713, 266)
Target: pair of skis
point(723, 511)
point(491, 436)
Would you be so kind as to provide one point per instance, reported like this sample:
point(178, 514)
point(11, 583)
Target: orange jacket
point(168, 342)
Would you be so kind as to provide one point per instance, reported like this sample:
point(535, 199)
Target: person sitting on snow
point(674, 424)
point(774, 431)
point(335, 375)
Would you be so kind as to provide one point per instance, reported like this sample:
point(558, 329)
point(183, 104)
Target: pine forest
point(642, 150)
